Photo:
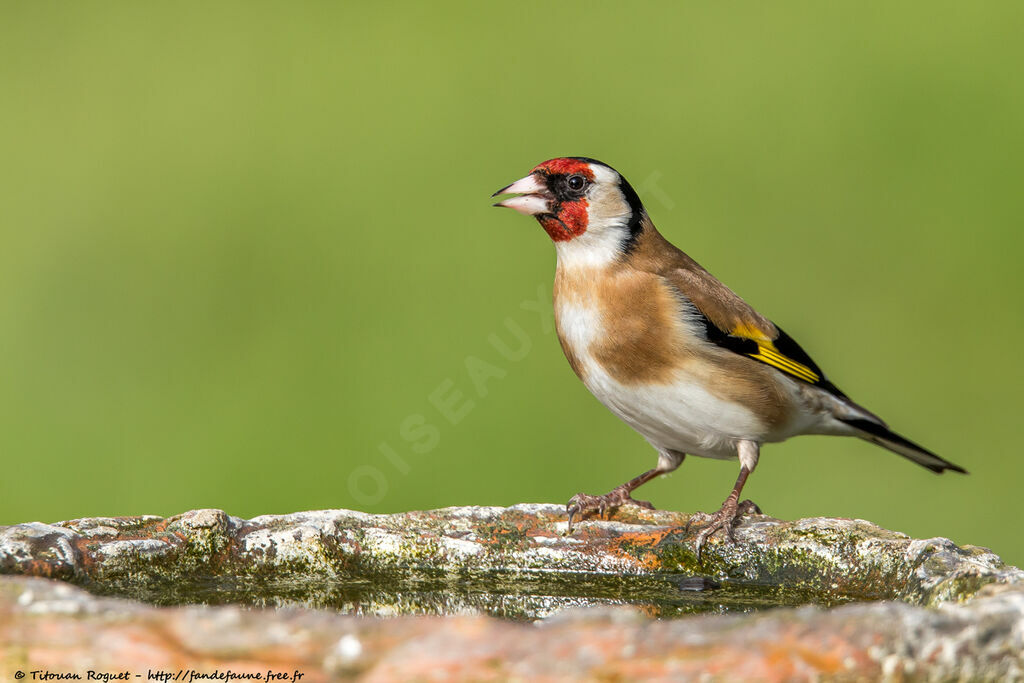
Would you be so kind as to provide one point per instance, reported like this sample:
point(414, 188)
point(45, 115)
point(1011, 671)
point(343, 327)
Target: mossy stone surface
point(513, 562)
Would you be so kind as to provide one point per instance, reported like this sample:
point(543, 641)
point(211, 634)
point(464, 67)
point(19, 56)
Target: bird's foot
point(725, 519)
point(582, 505)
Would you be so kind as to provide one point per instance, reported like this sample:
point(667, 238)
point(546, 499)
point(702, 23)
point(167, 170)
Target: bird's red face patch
point(566, 166)
point(569, 215)
point(570, 221)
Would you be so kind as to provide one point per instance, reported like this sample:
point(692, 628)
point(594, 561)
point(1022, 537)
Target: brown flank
point(646, 339)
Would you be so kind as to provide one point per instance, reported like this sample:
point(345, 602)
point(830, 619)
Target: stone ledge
point(514, 561)
point(928, 609)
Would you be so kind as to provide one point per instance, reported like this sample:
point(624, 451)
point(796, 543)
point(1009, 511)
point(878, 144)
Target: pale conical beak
point(534, 197)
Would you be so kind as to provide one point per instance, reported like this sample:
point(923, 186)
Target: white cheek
point(607, 216)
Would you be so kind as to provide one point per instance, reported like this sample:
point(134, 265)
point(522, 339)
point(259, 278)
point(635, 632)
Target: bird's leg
point(726, 516)
point(582, 505)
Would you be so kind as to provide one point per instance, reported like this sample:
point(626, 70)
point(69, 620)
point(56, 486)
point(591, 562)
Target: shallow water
point(520, 596)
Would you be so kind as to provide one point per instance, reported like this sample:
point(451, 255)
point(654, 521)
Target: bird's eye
point(576, 182)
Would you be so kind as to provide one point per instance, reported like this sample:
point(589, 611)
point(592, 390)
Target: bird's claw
point(582, 505)
point(725, 519)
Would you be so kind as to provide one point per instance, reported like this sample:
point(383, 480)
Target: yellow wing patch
point(750, 332)
point(767, 353)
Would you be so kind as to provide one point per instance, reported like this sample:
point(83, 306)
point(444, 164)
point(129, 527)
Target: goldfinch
point(669, 349)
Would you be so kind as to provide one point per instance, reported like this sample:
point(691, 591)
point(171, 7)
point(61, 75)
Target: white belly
point(680, 415)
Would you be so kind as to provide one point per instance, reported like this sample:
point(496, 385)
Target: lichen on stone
point(515, 561)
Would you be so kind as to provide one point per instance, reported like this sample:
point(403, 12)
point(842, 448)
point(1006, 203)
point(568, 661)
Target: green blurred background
point(248, 258)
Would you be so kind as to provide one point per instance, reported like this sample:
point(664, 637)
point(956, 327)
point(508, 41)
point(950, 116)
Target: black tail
point(886, 438)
